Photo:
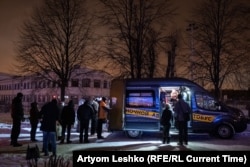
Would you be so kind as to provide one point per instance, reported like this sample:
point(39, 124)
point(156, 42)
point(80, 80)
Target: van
point(137, 105)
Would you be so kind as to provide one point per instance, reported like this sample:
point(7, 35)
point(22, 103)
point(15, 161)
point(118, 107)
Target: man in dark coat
point(50, 117)
point(94, 117)
point(84, 114)
point(182, 109)
point(17, 115)
point(34, 119)
point(67, 120)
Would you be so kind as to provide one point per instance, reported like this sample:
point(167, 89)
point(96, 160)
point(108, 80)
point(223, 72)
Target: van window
point(141, 98)
point(205, 101)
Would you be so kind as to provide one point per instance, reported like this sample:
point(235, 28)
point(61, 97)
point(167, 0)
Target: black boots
point(164, 140)
point(168, 140)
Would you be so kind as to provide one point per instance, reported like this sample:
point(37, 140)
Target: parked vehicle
point(137, 105)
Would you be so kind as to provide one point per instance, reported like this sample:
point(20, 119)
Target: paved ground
point(15, 156)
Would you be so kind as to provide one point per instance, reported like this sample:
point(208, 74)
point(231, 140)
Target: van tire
point(133, 134)
point(225, 131)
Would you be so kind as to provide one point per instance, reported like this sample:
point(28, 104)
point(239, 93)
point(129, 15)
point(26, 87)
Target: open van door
point(116, 115)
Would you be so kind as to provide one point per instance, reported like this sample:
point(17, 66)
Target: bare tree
point(172, 40)
point(136, 30)
point(221, 45)
point(55, 41)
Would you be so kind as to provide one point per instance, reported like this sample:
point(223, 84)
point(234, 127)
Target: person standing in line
point(17, 115)
point(166, 123)
point(102, 117)
point(94, 118)
point(84, 114)
point(181, 109)
point(67, 120)
point(34, 119)
point(50, 117)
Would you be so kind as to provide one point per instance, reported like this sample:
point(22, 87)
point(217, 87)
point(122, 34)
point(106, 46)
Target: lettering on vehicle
point(203, 118)
point(143, 113)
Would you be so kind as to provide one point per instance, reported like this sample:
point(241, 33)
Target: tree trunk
point(62, 93)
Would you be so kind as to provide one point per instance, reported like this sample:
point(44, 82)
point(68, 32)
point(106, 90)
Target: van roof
point(160, 82)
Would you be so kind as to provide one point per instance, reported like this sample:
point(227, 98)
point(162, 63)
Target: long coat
point(68, 114)
point(49, 115)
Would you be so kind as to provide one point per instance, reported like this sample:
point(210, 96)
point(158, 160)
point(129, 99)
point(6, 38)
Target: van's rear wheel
point(133, 133)
point(225, 131)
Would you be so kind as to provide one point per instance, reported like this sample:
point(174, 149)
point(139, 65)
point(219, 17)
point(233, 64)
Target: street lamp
point(191, 28)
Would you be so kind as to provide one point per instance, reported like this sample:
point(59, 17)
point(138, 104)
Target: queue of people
point(52, 115)
point(90, 113)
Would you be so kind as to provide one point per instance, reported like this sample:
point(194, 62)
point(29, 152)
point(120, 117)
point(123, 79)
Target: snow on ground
point(15, 156)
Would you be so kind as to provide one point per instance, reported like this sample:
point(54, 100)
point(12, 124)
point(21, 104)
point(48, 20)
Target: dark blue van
point(137, 105)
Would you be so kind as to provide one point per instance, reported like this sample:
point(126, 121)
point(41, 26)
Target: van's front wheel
point(225, 131)
point(133, 133)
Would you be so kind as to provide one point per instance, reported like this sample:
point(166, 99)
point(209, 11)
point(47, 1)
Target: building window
point(39, 98)
point(36, 85)
point(28, 98)
point(43, 98)
point(86, 82)
point(74, 83)
point(97, 83)
point(105, 84)
point(43, 84)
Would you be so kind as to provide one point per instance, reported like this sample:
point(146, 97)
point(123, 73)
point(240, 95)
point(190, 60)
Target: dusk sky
point(14, 12)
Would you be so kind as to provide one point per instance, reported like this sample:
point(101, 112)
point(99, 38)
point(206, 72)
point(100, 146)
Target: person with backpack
point(166, 118)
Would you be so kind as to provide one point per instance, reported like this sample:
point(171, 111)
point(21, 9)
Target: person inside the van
point(173, 101)
point(174, 97)
point(182, 109)
point(166, 118)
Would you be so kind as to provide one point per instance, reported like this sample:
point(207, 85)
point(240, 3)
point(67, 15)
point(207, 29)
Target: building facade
point(84, 83)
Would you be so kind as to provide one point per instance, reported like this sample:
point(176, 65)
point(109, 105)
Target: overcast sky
point(14, 12)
